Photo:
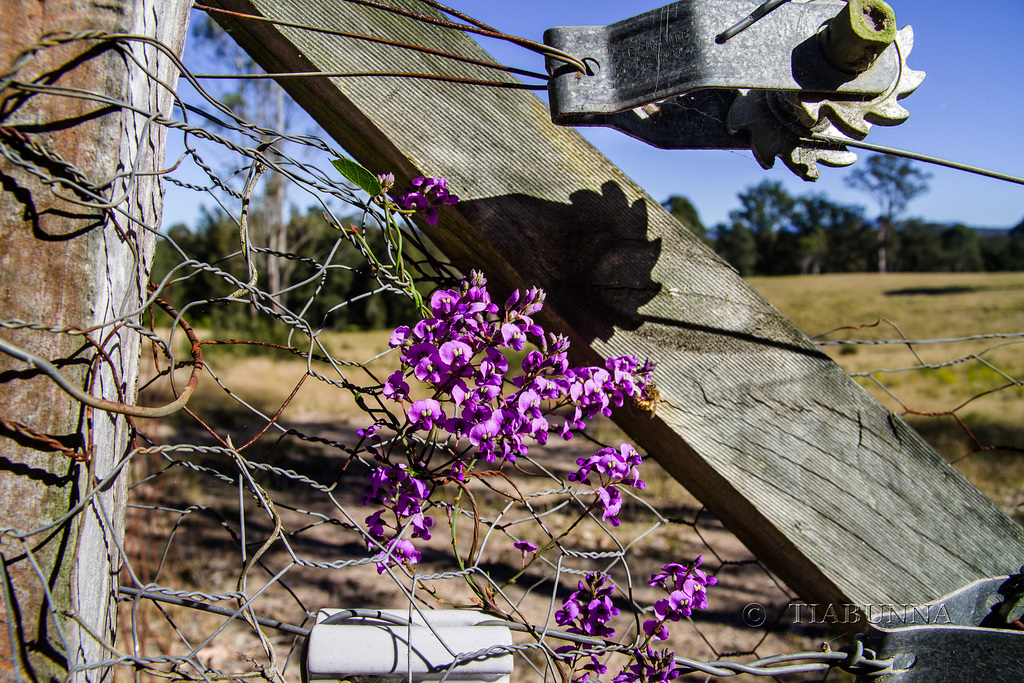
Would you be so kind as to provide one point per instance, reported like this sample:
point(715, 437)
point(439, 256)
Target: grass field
point(964, 396)
point(180, 525)
point(927, 377)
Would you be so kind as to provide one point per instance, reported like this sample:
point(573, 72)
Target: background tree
point(893, 182)
point(736, 244)
point(831, 237)
point(963, 249)
point(683, 209)
point(1015, 248)
point(766, 211)
point(330, 299)
point(917, 248)
point(1002, 250)
point(264, 103)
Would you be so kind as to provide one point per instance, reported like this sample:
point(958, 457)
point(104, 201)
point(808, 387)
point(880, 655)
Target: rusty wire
point(911, 361)
point(363, 37)
point(236, 501)
point(226, 544)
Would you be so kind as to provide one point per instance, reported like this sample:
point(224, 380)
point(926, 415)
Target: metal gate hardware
point(661, 77)
point(973, 634)
point(392, 645)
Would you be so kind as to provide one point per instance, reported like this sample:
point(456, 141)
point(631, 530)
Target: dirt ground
point(279, 526)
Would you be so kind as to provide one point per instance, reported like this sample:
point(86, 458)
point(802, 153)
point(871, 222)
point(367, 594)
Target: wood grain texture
point(66, 264)
point(840, 498)
point(120, 272)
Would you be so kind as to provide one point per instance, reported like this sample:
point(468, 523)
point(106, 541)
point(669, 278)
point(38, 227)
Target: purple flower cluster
point(649, 666)
point(587, 611)
point(686, 586)
point(612, 469)
point(398, 490)
point(490, 411)
point(425, 195)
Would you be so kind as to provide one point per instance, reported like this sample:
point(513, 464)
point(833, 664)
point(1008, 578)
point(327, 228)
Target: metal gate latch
point(973, 634)
point(676, 79)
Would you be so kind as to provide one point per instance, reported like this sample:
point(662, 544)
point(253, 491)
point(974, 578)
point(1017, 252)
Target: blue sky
point(968, 110)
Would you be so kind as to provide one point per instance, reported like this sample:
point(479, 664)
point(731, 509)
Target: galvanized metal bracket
point(973, 634)
point(662, 77)
point(672, 50)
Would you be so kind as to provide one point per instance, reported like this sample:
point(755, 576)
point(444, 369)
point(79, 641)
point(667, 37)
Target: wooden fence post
point(835, 494)
point(65, 263)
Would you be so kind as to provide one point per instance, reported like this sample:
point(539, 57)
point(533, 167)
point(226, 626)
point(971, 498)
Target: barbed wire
point(972, 380)
point(276, 527)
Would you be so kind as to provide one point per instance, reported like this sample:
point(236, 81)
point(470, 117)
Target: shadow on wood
point(839, 497)
point(597, 253)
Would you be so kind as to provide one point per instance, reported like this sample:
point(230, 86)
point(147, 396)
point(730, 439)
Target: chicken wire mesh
point(248, 510)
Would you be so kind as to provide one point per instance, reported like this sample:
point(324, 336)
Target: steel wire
point(276, 526)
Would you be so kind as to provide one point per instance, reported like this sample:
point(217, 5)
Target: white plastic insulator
point(365, 647)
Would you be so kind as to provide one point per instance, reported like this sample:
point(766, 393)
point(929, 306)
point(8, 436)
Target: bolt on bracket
point(662, 77)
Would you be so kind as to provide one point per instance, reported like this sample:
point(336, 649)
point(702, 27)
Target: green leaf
point(363, 179)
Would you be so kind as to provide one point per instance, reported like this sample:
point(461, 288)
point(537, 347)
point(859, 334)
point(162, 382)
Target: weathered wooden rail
point(838, 496)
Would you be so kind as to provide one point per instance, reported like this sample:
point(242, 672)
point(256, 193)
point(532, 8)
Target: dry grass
point(202, 555)
point(917, 307)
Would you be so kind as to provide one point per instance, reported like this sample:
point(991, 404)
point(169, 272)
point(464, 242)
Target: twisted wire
point(222, 541)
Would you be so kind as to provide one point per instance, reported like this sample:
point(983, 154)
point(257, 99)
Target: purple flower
point(513, 336)
point(395, 387)
point(485, 436)
point(386, 180)
point(375, 525)
point(569, 612)
point(686, 586)
point(611, 466)
point(443, 302)
point(381, 484)
point(588, 610)
point(649, 666)
point(458, 354)
point(397, 551)
point(430, 330)
point(397, 488)
point(525, 546)
point(613, 469)
point(675, 576)
point(399, 337)
point(593, 665)
point(425, 361)
point(492, 368)
point(421, 526)
point(455, 354)
point(368, 432)
point(656, 629)
point(425, 414)
point(533, 362)
point(610, 503)
point(425, 195)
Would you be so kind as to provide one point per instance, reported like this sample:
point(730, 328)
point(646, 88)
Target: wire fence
point(266, 409)
point(961, 392)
